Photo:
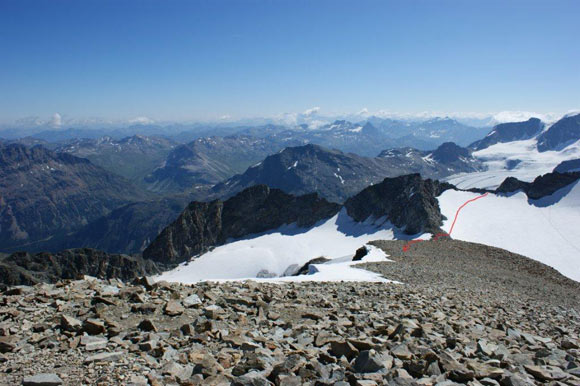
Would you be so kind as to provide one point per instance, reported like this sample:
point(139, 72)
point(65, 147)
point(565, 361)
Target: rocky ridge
point(29, 269)
point(435, 328)
point(408, 202)
point(542, 186)
point(337, 176)
point(203, 225)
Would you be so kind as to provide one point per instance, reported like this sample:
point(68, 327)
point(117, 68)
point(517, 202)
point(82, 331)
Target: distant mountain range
point(132, 157)
point(208, 161)
point(336, 175)
point(123, 192)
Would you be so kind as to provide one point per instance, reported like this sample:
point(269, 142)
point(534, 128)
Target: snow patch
point(336, 238)
point(546, 230)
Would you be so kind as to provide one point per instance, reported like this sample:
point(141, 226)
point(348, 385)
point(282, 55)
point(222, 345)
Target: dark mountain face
point(449, 152)
point(507, 132)
point(132, 157)
point(336, 175)
point(561, 134)
point(306, 169)
point(207, 161)
point(22, 268)
point(258, 209)
point(43, 193)
point(128, 229)
point(542, 186)
point(572, 165)
point(408, 202)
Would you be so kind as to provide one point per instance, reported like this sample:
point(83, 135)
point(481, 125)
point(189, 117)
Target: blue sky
point(189, 60)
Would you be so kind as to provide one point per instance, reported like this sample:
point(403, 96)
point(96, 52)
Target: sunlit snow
point(337, 238)
point(546, 230)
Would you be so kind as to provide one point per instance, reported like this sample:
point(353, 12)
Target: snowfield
point(520, 159)
point(337, 238)
point(546, 230)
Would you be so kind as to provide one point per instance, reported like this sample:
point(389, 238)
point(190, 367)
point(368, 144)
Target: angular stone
point(147, 282)
point(173, 308)
point(69, 323)
point(486, 348)
point(8, 343)
point(368, 362)
point(44, 379)
point(92, 343)
point(345, 349)
point(94, 326)
point(568, 344)
point(402, 352)
point(105, 357)
point(192, 301)
point(147, 325)
point(148, 345)
point(547, 373)
point(212, 312)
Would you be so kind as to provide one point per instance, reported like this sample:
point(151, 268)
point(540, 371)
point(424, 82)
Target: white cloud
point(519, 116)
point(363, 112)
point(311, 111)
point(56, 120)
point(141, 121)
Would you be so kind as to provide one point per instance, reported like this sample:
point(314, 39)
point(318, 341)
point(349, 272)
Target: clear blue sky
point(176, 60)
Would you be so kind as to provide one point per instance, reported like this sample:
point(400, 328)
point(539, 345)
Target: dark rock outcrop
point(542, 186)
point(203, 225)
point(512, 184)
point(22, 268)
point(360, 253)
point(508, 132)
point(449, 152)
point(305, 269)
point(572, 165)
point(408, 202)
point(560, 134)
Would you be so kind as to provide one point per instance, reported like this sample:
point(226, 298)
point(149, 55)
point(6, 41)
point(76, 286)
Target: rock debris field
point(463, 314)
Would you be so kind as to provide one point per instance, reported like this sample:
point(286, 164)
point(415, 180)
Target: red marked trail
point(439, 235)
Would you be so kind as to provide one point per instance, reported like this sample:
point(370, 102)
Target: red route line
point(407, 246)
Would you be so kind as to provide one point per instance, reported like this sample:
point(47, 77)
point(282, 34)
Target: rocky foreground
point(501, 319)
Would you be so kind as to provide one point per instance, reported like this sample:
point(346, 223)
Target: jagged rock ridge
point(542, 186)
point(408, 202)
point(257, 209)
point(337, 176)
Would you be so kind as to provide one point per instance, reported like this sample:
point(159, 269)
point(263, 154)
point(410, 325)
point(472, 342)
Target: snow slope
point(336, 238)
point(546, 230)
point(529, 163)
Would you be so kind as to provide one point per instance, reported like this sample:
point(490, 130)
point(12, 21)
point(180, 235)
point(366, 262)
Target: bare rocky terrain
point(462, 313)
